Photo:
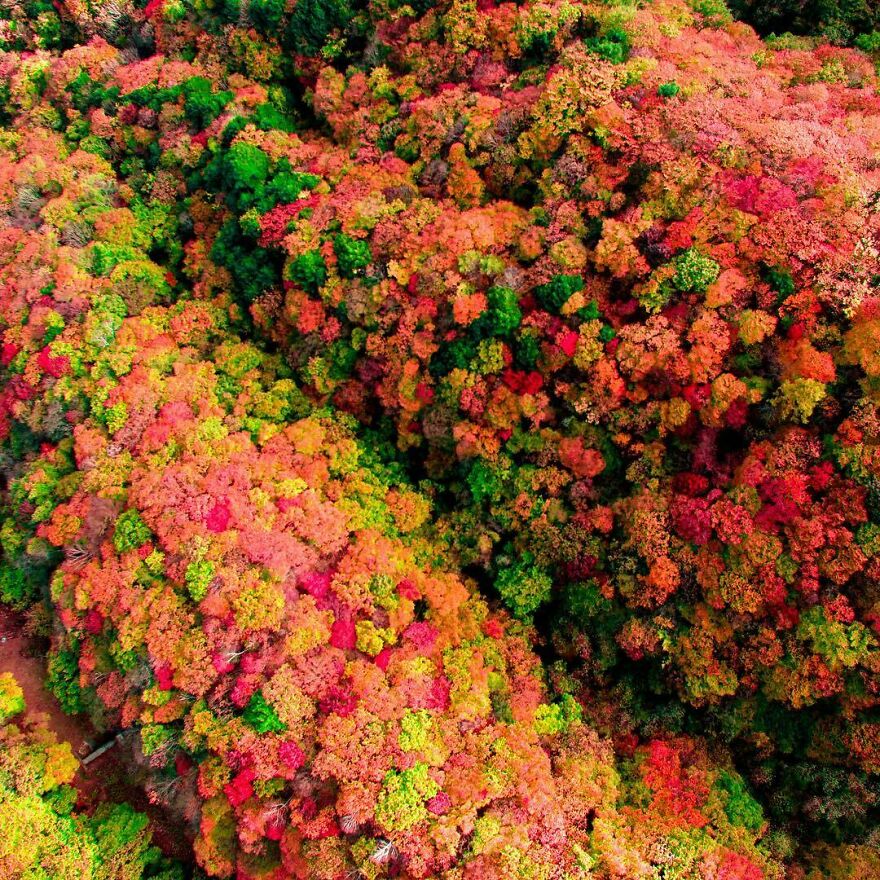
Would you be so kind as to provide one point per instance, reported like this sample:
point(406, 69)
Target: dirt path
point(19, 654)
point(106, 778)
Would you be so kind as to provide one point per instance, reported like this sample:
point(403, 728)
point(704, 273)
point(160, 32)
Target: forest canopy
point(441, 439)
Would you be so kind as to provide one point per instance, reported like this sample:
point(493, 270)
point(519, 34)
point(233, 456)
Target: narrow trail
point(106, 778)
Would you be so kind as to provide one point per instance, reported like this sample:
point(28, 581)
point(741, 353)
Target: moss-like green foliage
point(267, 117)
point(526, 351)
point(694, 271)
point(308, 270)
point(62, 678)
point(486, 832)
point(105, 257)
point(780, 279)
point(556, 718)
point(199, 575)
point(484, 481)
point(266, 14)
point(416, 728)
point(504, 314)
point(254, 269)
point(352, 255)
point(17, 588)
point(249, 223)
point(261, 716)
point(841, 645)
point(869, 42)
point(837, 20)
point(402, 799)
point(555, 294)
point(11, 697)
point(246, 169)
point(523, 586)
point(155, 738)
point(286, 186)
point(456, 354)
point(741, 808)
point(202, 104)
point(614, 45)
point(714, 13)
point(312, 21)
point(131, 532)
point(122, 837)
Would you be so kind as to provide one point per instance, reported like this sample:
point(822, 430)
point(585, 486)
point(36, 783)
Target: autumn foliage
point(446, 435)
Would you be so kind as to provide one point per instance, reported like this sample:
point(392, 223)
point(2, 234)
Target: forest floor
point(106, 778)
